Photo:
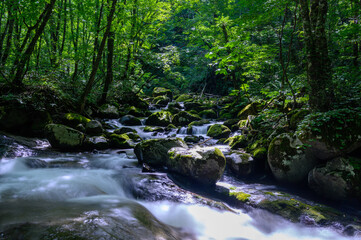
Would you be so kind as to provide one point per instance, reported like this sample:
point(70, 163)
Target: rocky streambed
point(155, 175)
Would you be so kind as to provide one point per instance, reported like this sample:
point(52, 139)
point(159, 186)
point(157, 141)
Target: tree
point(321, 92)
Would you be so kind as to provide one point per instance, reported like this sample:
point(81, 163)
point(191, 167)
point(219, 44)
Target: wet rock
point(184, 118)
point(108, 111)
point(192, 139)
point(125, 130)
point(193, 106)
point(332, 181)
point(174, 107)
point(240, 163)
point(153, 129)
point(122, 141)
point(96, 142)
point(203, 165)
point(130, 120)
point(161, 101)
point(159, 91)
point(288, 160)
point(134, 111)
point(155, 151)
point(74, 119)
point(218, 131)
point(162, 118)
point(239, 141)
point(63, 137)
point(208, 114)
point(94, 128)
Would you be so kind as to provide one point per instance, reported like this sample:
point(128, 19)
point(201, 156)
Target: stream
point(105, 195)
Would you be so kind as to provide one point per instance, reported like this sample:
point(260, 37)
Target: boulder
point(289, 161)
point(63, 137)
point(162, 118)
point(122, 141)
point(184, 118)
point(184, 98)
point(134, 111)
point(203, 165)
point(153, 129)
point(332, 181)
point(238, 141)
point(159, 91)
point(94, 128)
point(161, 101)
point(174, 107)
point(250, 109)
point(192, 139)
point(125, 130)
point(130, 120)
point(96, 142)
point(108, 111)
point(218, 131)
point(193, 106)
point(240, 163)
point(155, 151)
point(74, 119)
point(208, 114)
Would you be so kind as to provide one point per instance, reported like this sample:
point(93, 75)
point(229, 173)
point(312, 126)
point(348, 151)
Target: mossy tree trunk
point(321, 92)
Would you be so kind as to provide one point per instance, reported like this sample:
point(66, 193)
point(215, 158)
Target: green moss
point(209, 113)
point(250, 109)
point(218, 131)
point(75, 119)
point(198, 123)
point(121, 141)
point(239, 141)
point(183, 98)
point(260, 153)
point(218, 152)
point(241, 196)
point(242, 124)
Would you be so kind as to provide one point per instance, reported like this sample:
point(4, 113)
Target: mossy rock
point(161, 101)
point(239, 141)
point(125, 130)
point(240, 196)
point(230, 122)
point(218, 131)
point(174, 107)
point(96, 142)
point(122, 141)
point(155, 151)
point(108, 111)
point(225, 115)
point(192, 139)
point(203, 165)
point(288, 160)
point(130, 120)
point(153, 129)
point(64, 138)
point(161, 118)
point(94, 128)
point(208, 114)
point(199, 123)
point(184, 118)
point(250, 109)
point(74, 119)
point(134, 111)
point(193, 106)
point(260, 153)
point(159, 91)
point(241, 164)
point(184, 98)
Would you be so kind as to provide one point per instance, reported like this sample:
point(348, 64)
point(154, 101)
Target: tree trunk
point(90, 82)
point(109, 77)
point(11, 17)
point(321, 92)
point(17, 80)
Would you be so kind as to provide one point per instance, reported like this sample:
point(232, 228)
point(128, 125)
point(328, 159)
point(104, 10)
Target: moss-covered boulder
point(129, 120)
point(184, 98)
point(161, 118)
point(137, 112)
point(108, 111)
point(288, 160)
point(238, 141)
point(94, 128)
point(231, 122)
point(174, 107)
point(192, 139)
point(184, 118)
point(153, 129)
point(122, 141)
point(96, 142)
point(161, 101)
point(155, 151)
point(74, 119)
point(250, 109)
point(203, 165)
point(334, 180)
point(240, 163)
point(218, 131)
point(159, 91)
point(260, 154)
point(63, 137)
point(125, 130)
point(208, 114)
point(196, 106)
point(331, 134)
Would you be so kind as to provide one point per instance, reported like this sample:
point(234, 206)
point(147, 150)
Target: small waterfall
point(183, 131)
point(200, 130)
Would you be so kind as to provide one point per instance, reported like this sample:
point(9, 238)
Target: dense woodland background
point(90, 50)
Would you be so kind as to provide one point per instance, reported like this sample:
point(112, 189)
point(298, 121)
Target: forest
point(247, 108)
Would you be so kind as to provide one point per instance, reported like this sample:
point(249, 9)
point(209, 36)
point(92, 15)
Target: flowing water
point(96, 190)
